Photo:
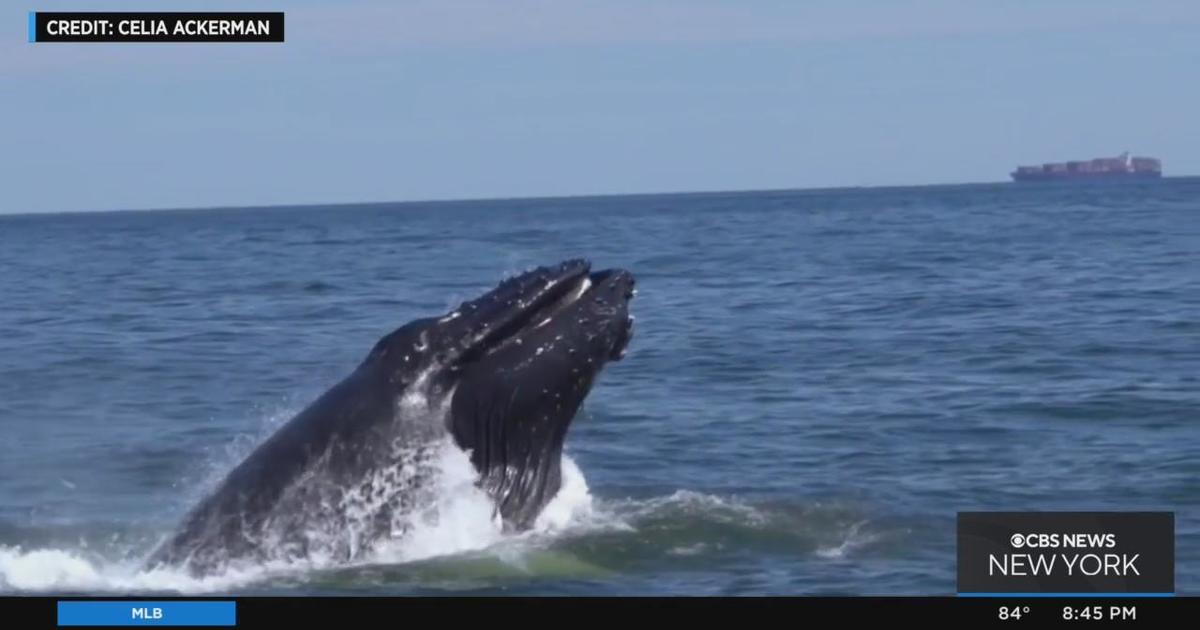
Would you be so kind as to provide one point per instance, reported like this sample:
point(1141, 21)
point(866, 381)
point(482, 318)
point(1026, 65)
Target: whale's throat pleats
point(514, 428)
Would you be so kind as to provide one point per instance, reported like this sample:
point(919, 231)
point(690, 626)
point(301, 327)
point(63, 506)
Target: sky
point(371, 101)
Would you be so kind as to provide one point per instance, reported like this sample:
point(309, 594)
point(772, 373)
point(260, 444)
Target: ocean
point(819, 381)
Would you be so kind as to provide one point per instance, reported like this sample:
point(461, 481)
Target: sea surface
point(818, 382)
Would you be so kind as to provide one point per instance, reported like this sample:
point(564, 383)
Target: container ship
point(1123, 166)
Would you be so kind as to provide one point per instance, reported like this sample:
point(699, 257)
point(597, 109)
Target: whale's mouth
point(561, 293)
point(571, 292)
point(626, 283)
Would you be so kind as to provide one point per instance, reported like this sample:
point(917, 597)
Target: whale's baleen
point(502, 376)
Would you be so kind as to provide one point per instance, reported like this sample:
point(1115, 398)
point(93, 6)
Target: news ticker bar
point(127, 27)
point(272, 612)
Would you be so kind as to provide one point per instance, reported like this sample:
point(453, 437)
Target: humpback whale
point(500, 377)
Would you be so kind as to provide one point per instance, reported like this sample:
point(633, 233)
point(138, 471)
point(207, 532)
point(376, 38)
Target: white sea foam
point(58, 570)
point(571, 506)
point(853, 540)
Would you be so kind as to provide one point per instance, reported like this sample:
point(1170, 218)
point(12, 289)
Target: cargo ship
point(1121, 167)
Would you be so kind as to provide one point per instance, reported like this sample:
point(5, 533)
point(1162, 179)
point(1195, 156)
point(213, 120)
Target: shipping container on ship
point(1121, 167)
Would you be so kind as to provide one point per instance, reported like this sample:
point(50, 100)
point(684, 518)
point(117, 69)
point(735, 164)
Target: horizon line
point(517, 198)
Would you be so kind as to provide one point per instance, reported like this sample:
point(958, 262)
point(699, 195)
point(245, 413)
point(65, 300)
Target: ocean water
point(818, 382)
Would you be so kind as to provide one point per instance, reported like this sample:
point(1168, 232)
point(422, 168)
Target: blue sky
point(447, 99)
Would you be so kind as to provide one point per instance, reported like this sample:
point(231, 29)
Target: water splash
point(459, 519)
point(454, 527)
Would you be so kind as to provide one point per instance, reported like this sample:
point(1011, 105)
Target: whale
point(499, 379)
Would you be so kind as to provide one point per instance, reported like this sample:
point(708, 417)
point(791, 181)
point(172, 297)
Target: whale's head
point(515, 365)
